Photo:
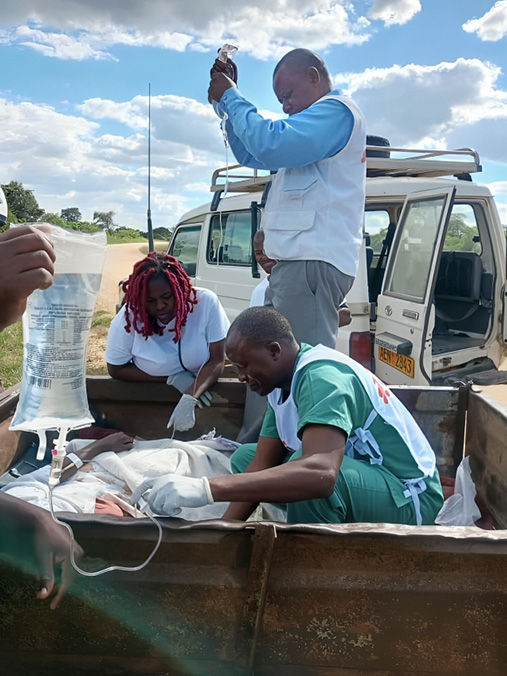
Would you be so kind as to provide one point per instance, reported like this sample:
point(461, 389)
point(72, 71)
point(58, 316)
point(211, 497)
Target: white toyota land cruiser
point(428, 302)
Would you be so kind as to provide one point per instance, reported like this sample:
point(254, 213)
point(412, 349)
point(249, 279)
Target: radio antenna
point(151, 246)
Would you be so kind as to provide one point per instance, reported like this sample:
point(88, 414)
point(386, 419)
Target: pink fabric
point(103, 506)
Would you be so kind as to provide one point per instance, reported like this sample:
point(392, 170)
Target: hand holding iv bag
point(225, 56)
point(223, 74)
point(56, 327)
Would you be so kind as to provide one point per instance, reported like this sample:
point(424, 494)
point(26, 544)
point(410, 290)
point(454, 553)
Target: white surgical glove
point(166, 495)
point(183, 417)
point(185, 379)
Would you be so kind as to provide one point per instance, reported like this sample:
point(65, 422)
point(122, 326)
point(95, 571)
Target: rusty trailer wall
point(9, 441)
point(143, 409)
point(486, 444)
point(440, 412)
point(265, 599)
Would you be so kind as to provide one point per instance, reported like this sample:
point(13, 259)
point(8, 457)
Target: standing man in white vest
point(314, 211)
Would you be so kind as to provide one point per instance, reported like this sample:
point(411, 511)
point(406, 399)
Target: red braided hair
point(157, 264)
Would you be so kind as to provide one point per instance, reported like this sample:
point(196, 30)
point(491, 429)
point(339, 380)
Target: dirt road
point(120, 259)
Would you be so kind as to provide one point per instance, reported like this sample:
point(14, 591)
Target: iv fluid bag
point(56, 327)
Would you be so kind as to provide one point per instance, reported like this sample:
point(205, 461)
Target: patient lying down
point(113, 467)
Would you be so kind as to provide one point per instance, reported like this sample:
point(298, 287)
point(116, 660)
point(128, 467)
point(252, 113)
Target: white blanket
point(121, 473)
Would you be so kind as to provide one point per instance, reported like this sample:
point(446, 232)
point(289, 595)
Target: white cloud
point(174, 119)
point(486, 136)
point(85, 45)
point(492, 26)
point(269, 32)
point(394, 11)
point(60, 45)
point(265, 29)
point(457, 104)
point(68, 157)
point(499, 191)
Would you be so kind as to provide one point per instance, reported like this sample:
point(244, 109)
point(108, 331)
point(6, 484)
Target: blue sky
point(75, 76)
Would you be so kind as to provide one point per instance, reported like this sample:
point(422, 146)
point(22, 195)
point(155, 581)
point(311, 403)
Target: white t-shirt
point(158, 355)
point(258, 294)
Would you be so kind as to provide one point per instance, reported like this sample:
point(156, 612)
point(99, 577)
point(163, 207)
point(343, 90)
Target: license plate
point(400, 362)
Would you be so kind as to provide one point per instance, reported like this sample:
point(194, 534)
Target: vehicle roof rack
point(395, 162)
point(228, 179)
point(422, 163)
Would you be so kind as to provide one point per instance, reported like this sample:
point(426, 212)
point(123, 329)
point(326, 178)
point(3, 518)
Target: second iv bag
point(56, 327)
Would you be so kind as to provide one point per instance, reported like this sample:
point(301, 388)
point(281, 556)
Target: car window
point(185, 247)
point(376, 223)
point(463, 231)
point(230, 240)
point(415, 254)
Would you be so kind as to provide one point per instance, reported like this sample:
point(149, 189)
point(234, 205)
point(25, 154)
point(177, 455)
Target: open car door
point(505, 313)
point(405, 312)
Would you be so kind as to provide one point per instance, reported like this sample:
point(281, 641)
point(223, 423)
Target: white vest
point(361, 441)
point(316, 212)
point(386, 405)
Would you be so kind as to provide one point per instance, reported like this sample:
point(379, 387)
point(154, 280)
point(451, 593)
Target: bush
point(125, 236)
point(11, 355)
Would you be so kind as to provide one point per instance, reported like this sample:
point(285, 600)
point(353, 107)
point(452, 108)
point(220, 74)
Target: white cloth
point(122, 473)
point(158, 355)
point(460, 509)
point(315, 212)
point(258, 294)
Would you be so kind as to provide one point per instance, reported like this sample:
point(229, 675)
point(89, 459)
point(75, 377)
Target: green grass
point(159, 246)
point(101, 318)
point(118, 238)
point(11, 348)
point(11, 355)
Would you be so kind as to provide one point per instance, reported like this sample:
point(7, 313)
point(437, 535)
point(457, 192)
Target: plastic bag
point(56, 327)
point(460, 509)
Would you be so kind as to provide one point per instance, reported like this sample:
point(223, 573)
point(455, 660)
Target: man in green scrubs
point(336, 444)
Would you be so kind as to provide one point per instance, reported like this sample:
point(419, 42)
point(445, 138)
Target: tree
point(162, 233)
point(71, 215)
point(377, 239)
point(460, 236)
point(457, 226)
point(54, 219)
point(22, 202)
point(104, 219)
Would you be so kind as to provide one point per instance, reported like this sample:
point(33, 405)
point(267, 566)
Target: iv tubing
point(109, 569)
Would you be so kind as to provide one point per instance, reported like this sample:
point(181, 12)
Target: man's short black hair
point(263, 325)
point(302, 59)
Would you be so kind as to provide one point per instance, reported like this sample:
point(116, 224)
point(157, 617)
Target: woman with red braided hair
point(168, 331)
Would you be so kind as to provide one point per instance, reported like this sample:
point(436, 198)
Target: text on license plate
point(401, 362)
